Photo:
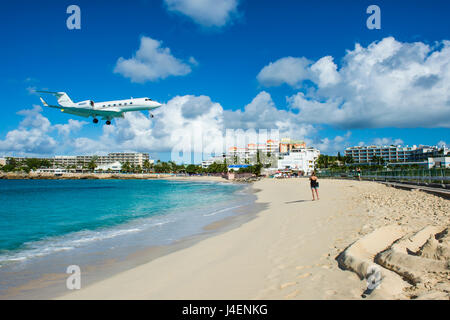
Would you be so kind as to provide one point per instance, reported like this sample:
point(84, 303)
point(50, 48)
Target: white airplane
point(107, 110)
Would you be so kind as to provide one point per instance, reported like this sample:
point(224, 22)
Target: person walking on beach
point(314, 185)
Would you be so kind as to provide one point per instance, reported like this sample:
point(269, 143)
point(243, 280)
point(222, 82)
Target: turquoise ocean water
point(41, 220)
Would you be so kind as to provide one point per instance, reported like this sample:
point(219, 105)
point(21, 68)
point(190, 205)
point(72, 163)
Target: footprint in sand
point(330, 292)
point(302, 267)
point(305, 275)
point(292, 294)
point(287, 284)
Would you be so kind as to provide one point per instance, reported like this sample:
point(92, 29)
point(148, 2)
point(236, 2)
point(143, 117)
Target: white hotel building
point(286, 154)
point(109, 161)
point(302, 159)
point(133, 158)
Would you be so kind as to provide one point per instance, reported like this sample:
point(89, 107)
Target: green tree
point(146, 165)
point(258, 157)
point(377, 160)
point(34, 163)
point(192, 169)
point(126, 167)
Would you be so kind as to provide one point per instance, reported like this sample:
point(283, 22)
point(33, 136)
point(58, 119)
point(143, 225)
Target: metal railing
point(437, 175)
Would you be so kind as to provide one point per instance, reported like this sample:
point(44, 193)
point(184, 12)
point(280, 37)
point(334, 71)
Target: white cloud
point(208, 13)
point(387, 142)
point(324, 72)
point(31, 137)
point(262, 112)
point(290, 70)
point(152, 62)
point(334, 145)
point(387, 84)
point(70, 127)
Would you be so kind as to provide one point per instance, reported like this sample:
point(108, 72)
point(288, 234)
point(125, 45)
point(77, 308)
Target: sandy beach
point(302, 249)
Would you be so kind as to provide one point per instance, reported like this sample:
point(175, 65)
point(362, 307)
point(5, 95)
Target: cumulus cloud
point(290, 70)
point(152, 62)
point(35, 135)
point(387, 142)
point(262, 112)
point(208, 13)
point(31, 136)
point(441, 144)
point(334, 145)
point(387, 84)
point(70, 127)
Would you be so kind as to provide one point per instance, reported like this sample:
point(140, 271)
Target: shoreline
point(51, 285)
point(289, 251)
point(95, 176)
point(292, 248)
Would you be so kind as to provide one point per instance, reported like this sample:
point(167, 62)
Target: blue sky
point(230, 46)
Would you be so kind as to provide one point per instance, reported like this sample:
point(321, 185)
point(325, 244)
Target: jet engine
point(86, 103)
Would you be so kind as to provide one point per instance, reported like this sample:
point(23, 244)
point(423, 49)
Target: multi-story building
point(283, 154)
point(439, 162)
point(133, 158)
point(299, 159)
point(2, 161)
point(397, 154)
point(365, 154)
point(287, 144)
point(424, 152)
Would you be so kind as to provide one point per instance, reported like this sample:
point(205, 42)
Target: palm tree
point(146, 166)
point(92, 165)
point(126, 167)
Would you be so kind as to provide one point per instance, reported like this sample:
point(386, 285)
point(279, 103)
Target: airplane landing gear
point(108, 122)
point(95, 120)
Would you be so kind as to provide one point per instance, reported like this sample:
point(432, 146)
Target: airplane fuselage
point(107, 109)
point(138, 104)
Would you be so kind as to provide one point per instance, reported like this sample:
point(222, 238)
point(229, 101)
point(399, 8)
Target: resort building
point(425, 156)
point(207, 163)
point(136, 159)
point(2, 161)
point(110, 167)
point(271, 147)
point(424, 152)
point(287, 144)
point(439, 162)
point(133, 158)
point(299, 159)
point(365, 154)
point(285, 154)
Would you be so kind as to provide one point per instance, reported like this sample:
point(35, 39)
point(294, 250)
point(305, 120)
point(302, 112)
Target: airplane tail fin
point(43, 102)
point(63, 98)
